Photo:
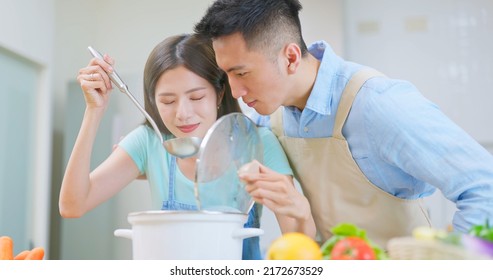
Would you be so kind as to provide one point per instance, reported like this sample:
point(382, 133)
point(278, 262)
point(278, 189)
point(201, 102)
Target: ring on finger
point(92, 77)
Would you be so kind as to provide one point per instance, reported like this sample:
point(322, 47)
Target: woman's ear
point(292, 53)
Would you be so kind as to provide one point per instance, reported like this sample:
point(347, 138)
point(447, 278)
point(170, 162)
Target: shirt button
point(305, 129)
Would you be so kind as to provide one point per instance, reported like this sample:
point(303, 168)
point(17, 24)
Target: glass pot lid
point(230, 143)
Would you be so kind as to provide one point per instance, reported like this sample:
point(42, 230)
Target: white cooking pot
point(182, 235)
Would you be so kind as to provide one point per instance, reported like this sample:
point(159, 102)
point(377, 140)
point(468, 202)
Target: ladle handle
point(115, 78)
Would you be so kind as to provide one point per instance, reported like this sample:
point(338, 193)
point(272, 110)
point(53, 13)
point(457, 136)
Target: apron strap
point(352, 88)
point(276, 122)
point(172, 178)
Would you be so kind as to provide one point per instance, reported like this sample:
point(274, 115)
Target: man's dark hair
point(264, 24)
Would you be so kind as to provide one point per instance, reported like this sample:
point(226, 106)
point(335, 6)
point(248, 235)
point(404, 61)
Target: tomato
point(352, 248)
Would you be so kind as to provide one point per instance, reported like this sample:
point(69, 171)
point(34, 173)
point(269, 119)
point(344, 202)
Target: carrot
point(22, 255)
point(6, 248)
point(36, 254)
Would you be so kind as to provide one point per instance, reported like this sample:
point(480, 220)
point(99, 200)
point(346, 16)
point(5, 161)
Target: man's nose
point(237, 89)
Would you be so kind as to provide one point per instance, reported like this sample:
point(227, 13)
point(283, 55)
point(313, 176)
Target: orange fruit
point(294, 246)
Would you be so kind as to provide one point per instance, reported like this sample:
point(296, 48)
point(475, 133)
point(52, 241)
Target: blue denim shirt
point(400, 140)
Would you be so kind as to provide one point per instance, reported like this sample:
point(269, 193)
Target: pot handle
point(125, 233)
point(243, 233)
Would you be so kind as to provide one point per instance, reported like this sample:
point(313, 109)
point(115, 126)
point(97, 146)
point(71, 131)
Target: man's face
point(257, 79)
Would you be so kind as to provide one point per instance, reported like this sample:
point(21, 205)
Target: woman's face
point(187, 103)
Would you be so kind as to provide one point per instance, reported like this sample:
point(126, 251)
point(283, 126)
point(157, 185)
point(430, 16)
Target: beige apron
point(335, 186)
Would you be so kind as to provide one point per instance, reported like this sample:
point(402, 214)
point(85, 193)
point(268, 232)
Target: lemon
point(294, 246)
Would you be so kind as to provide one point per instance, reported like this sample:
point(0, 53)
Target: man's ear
point(292, 53)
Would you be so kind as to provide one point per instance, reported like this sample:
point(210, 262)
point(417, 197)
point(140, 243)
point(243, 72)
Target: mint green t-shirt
point(151, 158)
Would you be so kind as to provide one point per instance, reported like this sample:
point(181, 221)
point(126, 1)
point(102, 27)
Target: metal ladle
point(179, 147)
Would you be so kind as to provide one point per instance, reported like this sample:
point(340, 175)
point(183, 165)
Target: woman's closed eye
point(197, 98)
point(172, 101)
point(167, 101)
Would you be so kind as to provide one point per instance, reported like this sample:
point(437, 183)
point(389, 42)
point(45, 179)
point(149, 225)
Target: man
point(365, 148)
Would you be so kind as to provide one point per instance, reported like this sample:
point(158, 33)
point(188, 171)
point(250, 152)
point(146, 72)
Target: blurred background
point(442, 46)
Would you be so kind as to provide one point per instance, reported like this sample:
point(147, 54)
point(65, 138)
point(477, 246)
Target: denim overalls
point(251, 246)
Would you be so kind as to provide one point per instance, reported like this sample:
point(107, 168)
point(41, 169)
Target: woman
point(185, 92)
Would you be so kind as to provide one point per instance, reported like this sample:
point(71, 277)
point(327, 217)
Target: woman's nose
point(183, 111)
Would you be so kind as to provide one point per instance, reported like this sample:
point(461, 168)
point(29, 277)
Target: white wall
point(323, 20)
point(27, 29)
point(443, 46)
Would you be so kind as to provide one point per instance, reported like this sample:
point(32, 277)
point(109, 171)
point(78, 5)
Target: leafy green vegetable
point(482, 231)
point(344, 230)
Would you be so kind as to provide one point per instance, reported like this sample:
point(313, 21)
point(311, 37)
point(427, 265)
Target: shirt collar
point(321, 97)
